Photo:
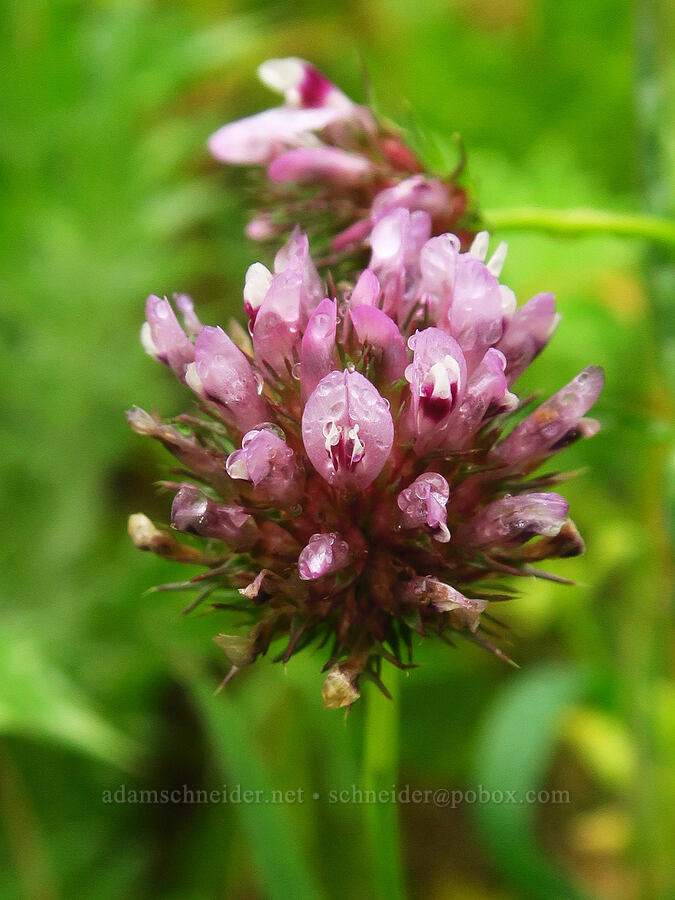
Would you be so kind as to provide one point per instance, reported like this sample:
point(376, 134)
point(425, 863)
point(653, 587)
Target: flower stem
point(583, 222)
point(380, 773)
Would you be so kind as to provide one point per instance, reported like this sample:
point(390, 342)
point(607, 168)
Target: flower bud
point(163, 337)
point(340, 687)
point(186, 307)
point(396, 241)
point(195, 513)
point(204, 462)
point(257, 283)
point(527, 333)
point(550, 425)
point(240, 649)
point(386, 346)
point(225, 376)
point(366, 290)
point(514, 520)
point(347, 430)
point(267, 461)
point(317, 350)
point(293, 295)
point(146, 536)
point(323, 555)
point(320, 164)
point(438, 263)
point(416, 194)
point(424, 502)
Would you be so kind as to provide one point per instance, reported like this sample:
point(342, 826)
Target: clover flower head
point(354, 470)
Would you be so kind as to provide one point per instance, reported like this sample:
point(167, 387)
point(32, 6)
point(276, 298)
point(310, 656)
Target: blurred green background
point(108, 195)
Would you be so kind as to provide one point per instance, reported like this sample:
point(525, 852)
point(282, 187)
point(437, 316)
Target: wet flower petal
point(163, 337)
point(347, 430)
point(194, 512)
point(385, 342)
point(317, 350)
point(513, 520)
point(437, 377)
point(487, 393)
point(475, 317)
point(554, 422)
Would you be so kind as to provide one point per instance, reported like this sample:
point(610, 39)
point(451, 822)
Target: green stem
point(583, 222)
point(380, 774)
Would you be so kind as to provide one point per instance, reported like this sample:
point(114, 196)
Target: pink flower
point(311, 103)
point(347, 430)
point(437, 377)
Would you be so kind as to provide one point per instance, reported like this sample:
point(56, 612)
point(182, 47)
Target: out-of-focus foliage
point(107, 195)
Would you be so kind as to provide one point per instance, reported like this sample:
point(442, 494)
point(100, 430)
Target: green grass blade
point(515, 748)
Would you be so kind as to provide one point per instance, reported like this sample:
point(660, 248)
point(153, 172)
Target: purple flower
point(486, 395)
point(317, 350)
point(380, 489)
point(475, 316)
point(293, 294)
point(366, 290)
point(396, 242)
point(527, 334)
point(257, 284)
point(380, 338)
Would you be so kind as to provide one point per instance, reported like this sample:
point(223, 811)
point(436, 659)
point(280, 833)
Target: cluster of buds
point(334, 166)
point(354, 470)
